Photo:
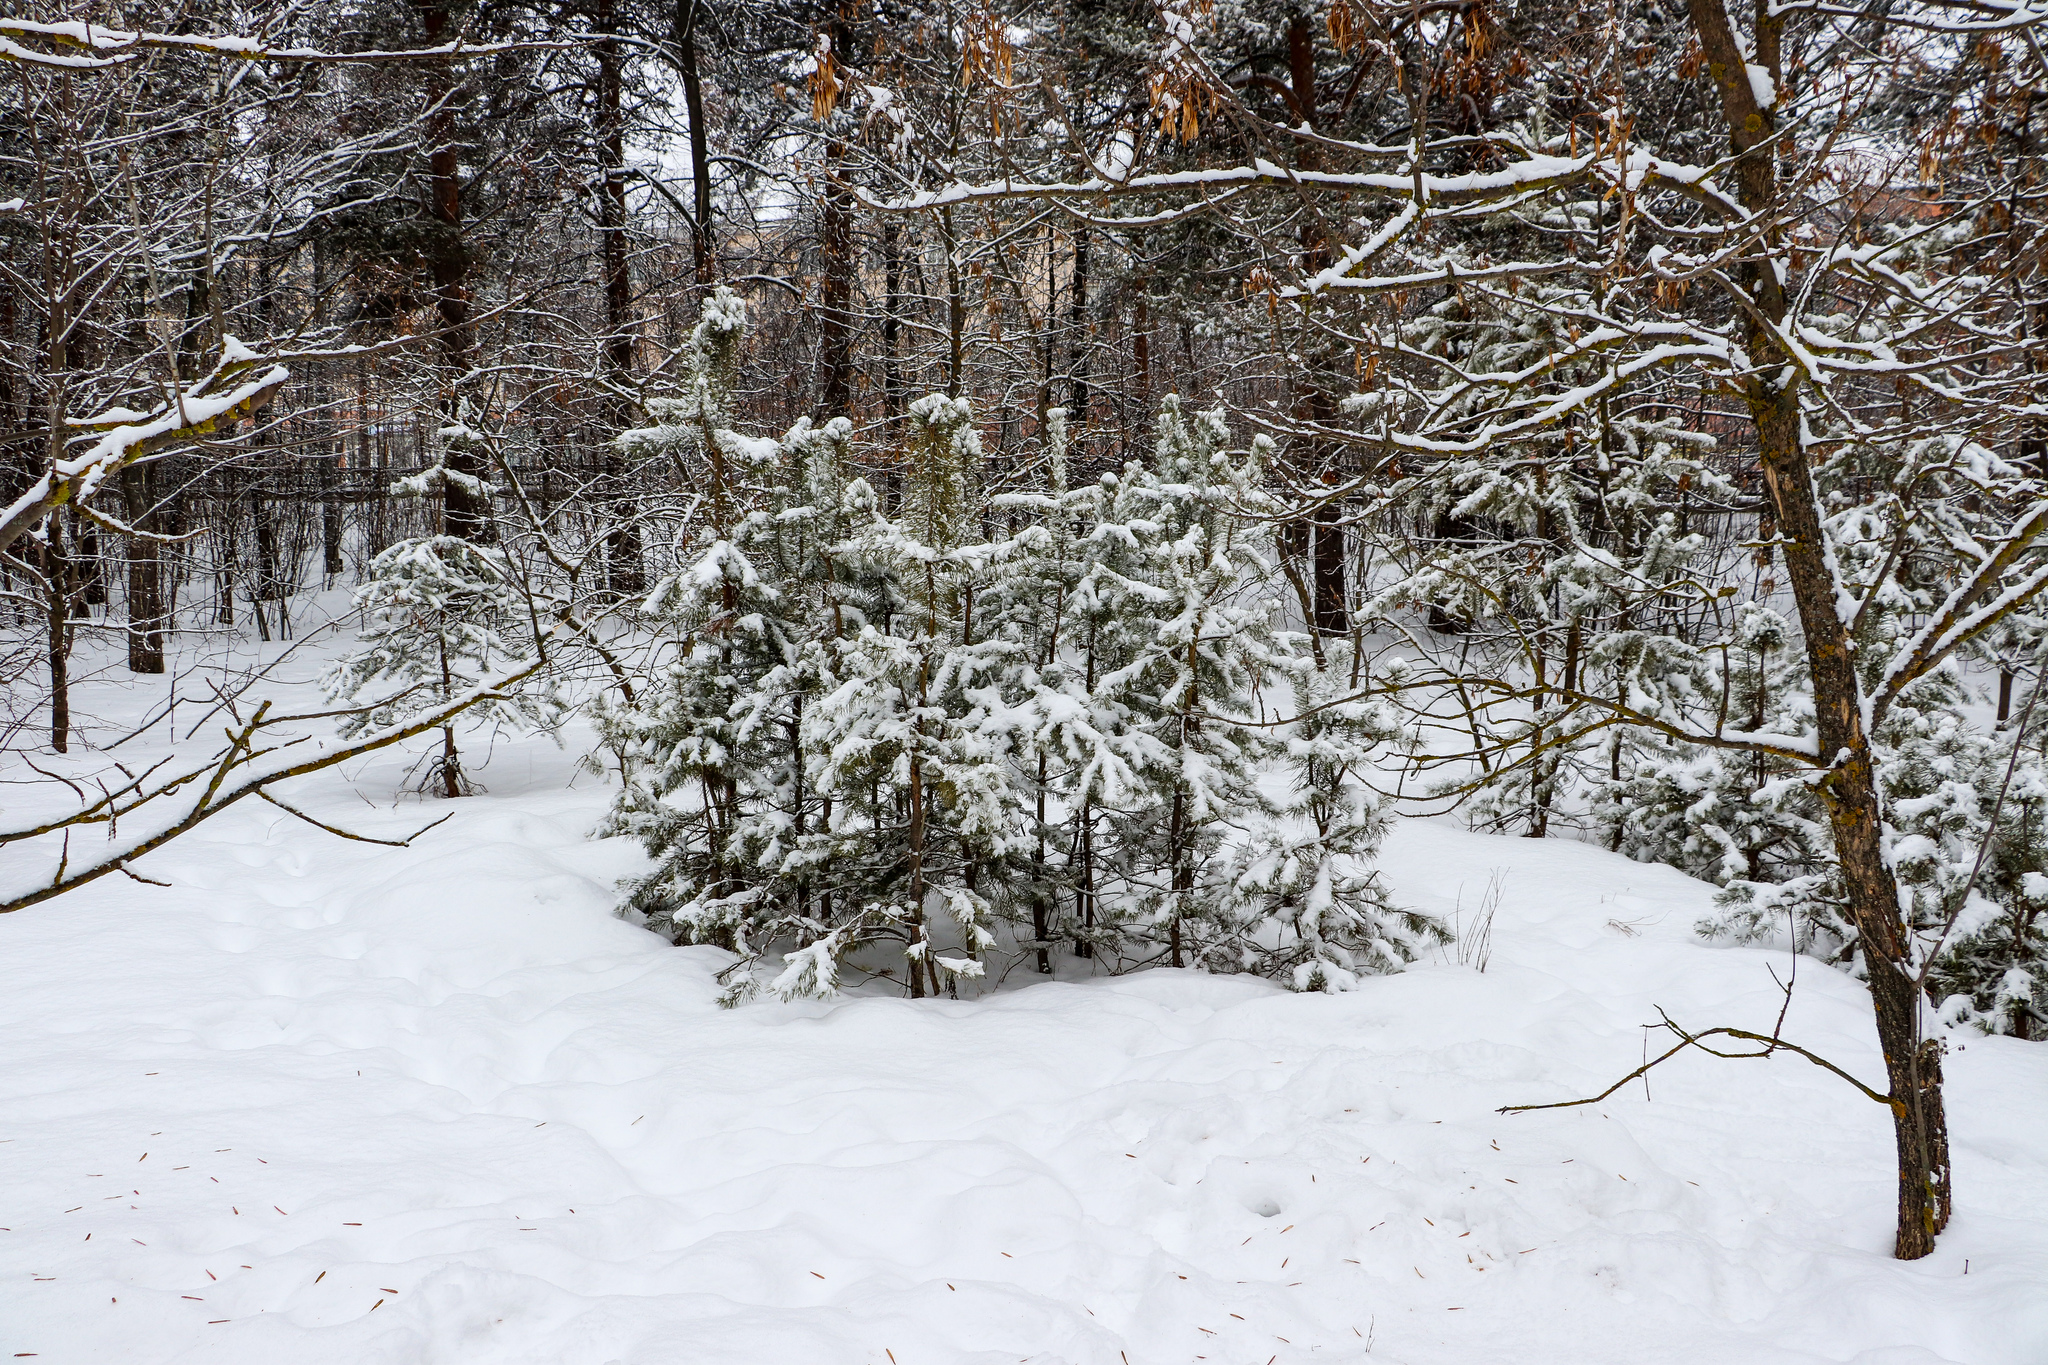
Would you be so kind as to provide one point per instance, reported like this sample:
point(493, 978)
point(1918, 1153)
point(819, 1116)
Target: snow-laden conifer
point(879, 738)
point(439, 614)
point(1303, 903)
point(713, 772)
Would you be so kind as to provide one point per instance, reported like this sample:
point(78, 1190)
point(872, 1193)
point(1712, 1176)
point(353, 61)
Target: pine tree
point(713, 770)
point(879, 737)
point(1304, 904)
point(438, 612)
point(909, 736)
point(1724, 816)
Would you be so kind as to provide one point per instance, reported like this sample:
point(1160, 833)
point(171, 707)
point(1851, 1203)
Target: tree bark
point(331, 561)
point(702, 248)
point(624, 573)
point(1849, 790)
point(146, 571)
point(835, 248)
point(1332, 595)
point(919, 963)
point(1080, 393)
point(893, 396)
point(1331, 613)
point(1141, 353)
point(330, 464)
point(464, 511)
point(57, 581)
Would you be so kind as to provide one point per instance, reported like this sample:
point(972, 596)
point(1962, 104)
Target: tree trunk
point(956, 308)
point(1141, 353)
point(57, 580)
point(92, 577)
point(1183, 873)
point(702, 250)
point(1849, 790)
point(624, 573)
point(1084, 891)
point(451, 761)
point(329, 440)
point(1080, 394)
point(917, 887)
point(56, 567)
point(1039, 927)
point(331, 562)
point(893, 396)
point(145, 572)
point(265, 584)
point(835, 312)
point(1331, 597)
point(465, 512)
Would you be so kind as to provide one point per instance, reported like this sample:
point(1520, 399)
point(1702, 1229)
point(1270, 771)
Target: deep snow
point(324, 1101)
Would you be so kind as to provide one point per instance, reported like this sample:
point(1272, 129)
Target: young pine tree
point(438, 614)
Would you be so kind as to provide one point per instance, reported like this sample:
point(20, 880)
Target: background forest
point(1013, 484)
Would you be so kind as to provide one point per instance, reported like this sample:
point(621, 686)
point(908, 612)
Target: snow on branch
point(1536, 171)
point(84, 46)
point(1936, 16)
point(198, 410)
point(247, 766)
point(1956, 621)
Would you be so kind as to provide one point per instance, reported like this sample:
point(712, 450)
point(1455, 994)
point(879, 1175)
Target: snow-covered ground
point(323, 1101)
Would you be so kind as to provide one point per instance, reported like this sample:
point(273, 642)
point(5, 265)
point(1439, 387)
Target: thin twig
point(341, 833)
point(1771, 1042)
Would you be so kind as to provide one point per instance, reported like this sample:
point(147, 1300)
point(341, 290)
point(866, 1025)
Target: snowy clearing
point(325, 1101)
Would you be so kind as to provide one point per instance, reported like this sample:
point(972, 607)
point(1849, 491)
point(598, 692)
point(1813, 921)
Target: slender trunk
point(922, 963)
point(1048, 333)
point(1332, 597)
point(92, 578)
point(1039, 926)
point(57, 577)
point(56, 570)
point(793, 732)
point(1181, 838)
point(331, 561)
point(624, 573)
point(704, 257)
point(1540, 766)
point(1850, 793)
point(1080, 394)
point(225, 572)
point(917, 887)
point(451, 762)
point(1141, 349)
point(956, 308)
point(329, 440)
point(145, 572)
point(892, 371)
point(1849, 788)
point(825, 825)
point(892, 326)
point(465, 511)
point(265, 584)
point(835, 311)
point(1550, 764)
point(1183, 871)
point(1084, 891)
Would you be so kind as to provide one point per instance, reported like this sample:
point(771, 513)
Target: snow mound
point(326, 1101)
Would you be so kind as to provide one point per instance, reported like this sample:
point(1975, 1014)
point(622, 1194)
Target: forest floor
point(441, 1104)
